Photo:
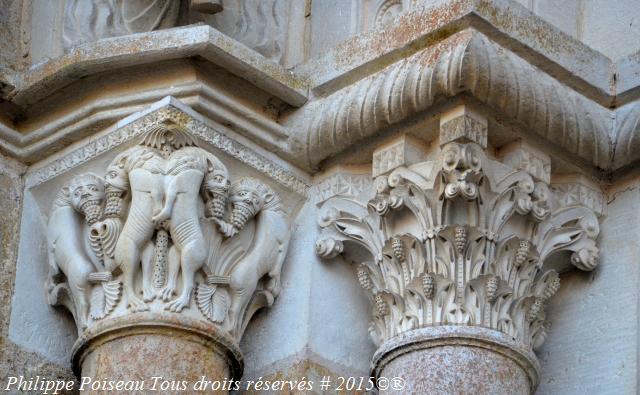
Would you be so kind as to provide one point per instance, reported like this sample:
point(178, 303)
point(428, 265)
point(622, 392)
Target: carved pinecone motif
point(240, 216)
point(428, 285)
point(460, 238)
point(92, 211)
point(523, 252)
point(492, 288)
point(364, 279)
point(381, 304)
point(534, 310)
point(113, 208)
point(216, 207)
point(398, 249)
point(162, 242)
point(551, 288)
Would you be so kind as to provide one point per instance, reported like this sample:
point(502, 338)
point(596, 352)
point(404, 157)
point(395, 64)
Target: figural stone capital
point(163, 237)
point(460, 239)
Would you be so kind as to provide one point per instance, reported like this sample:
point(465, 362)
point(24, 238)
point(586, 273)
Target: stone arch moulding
point(164, 234)
point(457, 247)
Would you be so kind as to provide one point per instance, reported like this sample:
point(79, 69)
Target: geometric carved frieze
point(459, 241)
point(463, 125)
point(168, 113)
point(576, 189)
point(522, 156)
point(165, 228)
point(402, 151)
point(340, 183)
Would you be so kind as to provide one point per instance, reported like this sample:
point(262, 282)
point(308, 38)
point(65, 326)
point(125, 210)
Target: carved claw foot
point(167, 293)
point(137, 305)
point(178, 304)
point(227, 229)
point(148, 294)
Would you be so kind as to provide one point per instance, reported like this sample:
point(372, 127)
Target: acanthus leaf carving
point(461, 240)
point(164, 223)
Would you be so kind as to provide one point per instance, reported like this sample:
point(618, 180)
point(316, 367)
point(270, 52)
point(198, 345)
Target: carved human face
point(86, 189)
point(586, 258)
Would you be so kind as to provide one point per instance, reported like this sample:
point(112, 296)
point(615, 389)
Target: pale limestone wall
point(610, 27)
point(15, 359)
point(10, 13)
point(593, 344)
point(307, 325)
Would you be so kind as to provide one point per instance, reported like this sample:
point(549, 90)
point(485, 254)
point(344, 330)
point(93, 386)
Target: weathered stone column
point(147, 345)
point(453, 246)
point(163, 261)
point(452, 359)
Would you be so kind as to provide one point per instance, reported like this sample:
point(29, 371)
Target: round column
point(455, 359)
point(142, 346)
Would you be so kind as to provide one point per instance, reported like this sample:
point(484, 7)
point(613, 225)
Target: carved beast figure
point(185, 172)
point(142, 169)
point(69, 246)
point(251, 199)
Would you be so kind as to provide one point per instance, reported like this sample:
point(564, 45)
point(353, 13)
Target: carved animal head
point(215, 187)
point(248, 197)
point(216, 181)
point(247, 192)
point(116, 177)
point(86, 193)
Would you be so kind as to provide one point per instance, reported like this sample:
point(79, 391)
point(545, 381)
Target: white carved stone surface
point(343, 184)
point(574, 193)
point(461, 124)
point(403, 151)
point(168, 113)
point(165, 228)
point(473, 64)
point(91, 20)
point(522, 156)
point(259, 24)
point(460, 241)
point(273, 95)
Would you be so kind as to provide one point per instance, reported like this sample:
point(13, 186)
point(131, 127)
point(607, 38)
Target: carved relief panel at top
point(165, 228)
point(260, 25)
point(90, 20)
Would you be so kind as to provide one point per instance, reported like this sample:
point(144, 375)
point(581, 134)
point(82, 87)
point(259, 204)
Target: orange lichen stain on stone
point(409, 32)
point(539, 32)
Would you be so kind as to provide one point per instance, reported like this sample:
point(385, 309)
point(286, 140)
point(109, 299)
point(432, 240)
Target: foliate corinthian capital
point(459, 239)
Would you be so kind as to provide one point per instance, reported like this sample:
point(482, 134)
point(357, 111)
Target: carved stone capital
point(461, 239)
point(164, 240)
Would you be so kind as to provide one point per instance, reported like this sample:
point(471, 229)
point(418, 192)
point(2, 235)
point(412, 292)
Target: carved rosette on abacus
point(165, 230)
point(459, 240)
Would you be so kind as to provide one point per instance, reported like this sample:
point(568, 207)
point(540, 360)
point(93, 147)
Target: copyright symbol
point(397, 383)
point(383, 383)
